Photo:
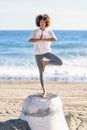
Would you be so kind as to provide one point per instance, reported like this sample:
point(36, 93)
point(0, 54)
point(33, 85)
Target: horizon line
point(52, 29)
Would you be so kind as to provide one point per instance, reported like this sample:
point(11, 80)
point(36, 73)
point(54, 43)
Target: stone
point(15, 124)
point(44, 113)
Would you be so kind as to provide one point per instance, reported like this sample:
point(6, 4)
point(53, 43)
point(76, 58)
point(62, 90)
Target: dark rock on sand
point(15, 124)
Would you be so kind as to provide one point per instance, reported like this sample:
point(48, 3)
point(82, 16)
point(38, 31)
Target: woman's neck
point(42, 29)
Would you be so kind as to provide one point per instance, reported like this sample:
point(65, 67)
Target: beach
point(19, 75)
point(72, 95)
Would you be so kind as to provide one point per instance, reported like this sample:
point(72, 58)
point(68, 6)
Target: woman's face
point(42, 24)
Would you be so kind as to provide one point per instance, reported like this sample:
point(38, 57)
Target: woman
point(42, 37)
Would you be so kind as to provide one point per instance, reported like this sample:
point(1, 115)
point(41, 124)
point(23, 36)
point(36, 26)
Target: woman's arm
point(34, 40)
point(43, 39)
point(49, 39)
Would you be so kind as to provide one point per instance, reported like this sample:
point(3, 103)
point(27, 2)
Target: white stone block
point(44, 113)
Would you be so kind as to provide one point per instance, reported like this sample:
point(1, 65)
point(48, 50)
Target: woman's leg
point(53, 60)
point(39, 64)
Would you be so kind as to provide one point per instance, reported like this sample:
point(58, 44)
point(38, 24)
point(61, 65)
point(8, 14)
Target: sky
point(65, 14)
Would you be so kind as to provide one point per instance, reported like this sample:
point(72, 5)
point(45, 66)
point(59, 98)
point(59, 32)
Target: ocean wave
point(68, 72)
point(17, 59)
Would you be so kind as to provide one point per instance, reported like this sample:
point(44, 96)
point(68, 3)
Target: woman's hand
point(42, 36)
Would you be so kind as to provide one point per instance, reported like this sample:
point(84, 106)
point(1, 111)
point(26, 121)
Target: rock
point(44, 113)
point(15, 124)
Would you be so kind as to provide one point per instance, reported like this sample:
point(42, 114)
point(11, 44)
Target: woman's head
point(43, 20)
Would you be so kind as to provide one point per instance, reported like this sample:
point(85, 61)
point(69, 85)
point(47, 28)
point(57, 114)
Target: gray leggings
point(53, 60)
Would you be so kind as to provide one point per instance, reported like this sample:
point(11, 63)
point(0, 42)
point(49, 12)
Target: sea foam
point(74, 71)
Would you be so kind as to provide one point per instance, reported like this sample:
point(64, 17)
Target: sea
point(17, 61)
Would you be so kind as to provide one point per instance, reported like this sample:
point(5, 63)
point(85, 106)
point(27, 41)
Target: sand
point(73, 96)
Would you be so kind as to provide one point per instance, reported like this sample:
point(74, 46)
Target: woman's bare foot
point(44, 63)
point(44, 94)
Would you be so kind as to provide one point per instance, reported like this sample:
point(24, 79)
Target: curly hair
point(44, 17)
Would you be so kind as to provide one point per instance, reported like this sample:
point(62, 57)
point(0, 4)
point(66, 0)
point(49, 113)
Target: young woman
point(42, 37)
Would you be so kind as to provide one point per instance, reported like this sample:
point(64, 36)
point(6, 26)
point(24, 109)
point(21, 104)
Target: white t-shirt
point(42, 47)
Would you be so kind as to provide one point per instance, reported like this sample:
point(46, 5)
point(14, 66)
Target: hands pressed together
point(42, 36)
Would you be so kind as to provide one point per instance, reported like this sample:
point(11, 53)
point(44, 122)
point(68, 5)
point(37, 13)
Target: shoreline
point(37, 80)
